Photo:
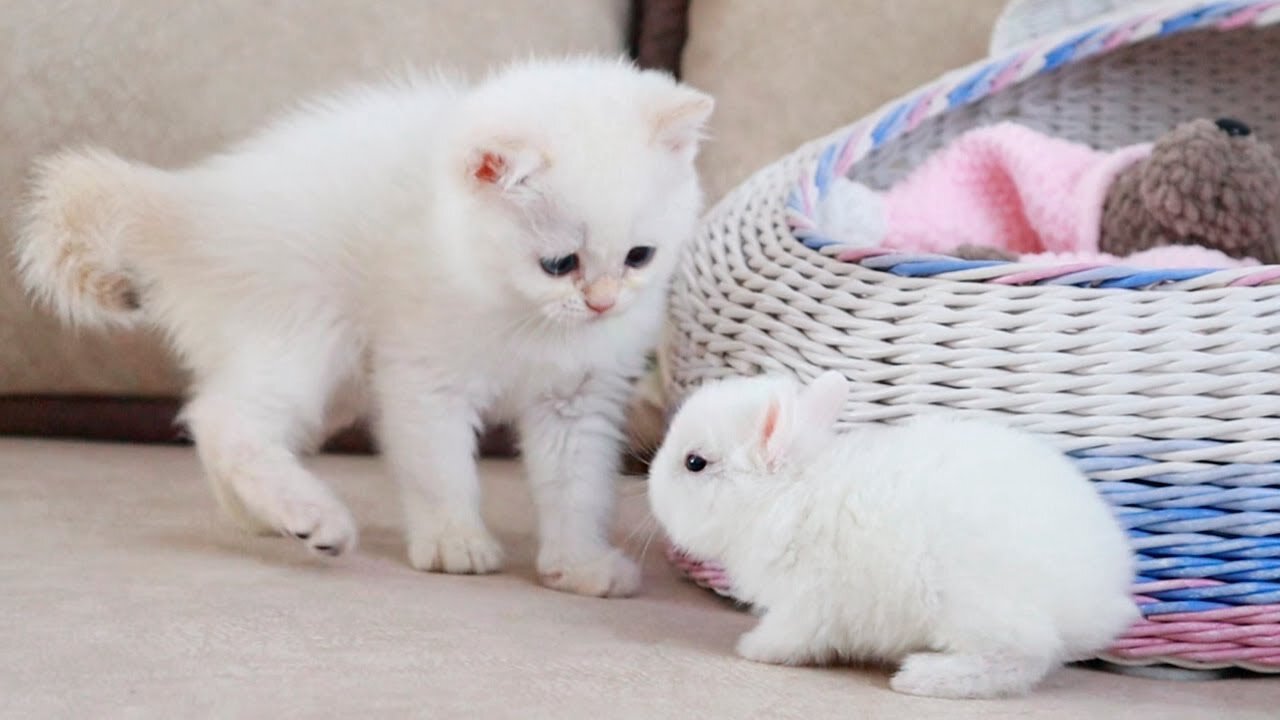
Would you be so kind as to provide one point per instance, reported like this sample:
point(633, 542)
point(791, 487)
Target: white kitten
point(454, 253)
point(975, 555)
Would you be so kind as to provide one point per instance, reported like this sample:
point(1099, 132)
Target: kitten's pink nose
point(601, 295)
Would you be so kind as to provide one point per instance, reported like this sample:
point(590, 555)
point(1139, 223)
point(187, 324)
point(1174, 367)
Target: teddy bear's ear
point(1180, 182)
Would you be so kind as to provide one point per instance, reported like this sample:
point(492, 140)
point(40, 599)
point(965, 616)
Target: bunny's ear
point(777, 428)
point(821, 402)
point(797, 423)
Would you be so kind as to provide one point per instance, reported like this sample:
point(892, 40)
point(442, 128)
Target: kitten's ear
point(681, 118)
point(504, 165)
point(821, 402)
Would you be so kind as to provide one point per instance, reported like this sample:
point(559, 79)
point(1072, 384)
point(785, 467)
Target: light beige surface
point(166, 82)
point(122, 595)
point(787, 72)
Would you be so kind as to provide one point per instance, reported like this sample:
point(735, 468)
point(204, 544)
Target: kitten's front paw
point(304, 510)
point(456, 549)
point(323, 523)
point(611, 574)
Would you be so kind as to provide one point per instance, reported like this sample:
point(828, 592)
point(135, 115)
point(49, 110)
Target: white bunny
point(975, 555)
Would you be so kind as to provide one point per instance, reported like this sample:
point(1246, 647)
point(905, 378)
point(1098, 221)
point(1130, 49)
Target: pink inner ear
point(770, 422)
point(491, 168)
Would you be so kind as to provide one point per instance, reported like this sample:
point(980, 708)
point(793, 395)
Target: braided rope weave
point(1163, 386)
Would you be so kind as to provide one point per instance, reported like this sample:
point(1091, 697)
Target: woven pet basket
point(1164, 386)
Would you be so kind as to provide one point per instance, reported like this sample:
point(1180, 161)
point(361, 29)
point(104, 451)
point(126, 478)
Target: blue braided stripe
point(817, 242)
point(1170, 568)
point(1066, 52)
point(1181, 606)
point(1203, 545)
point(1187, 496)
point(1147, 278)
point(1248, 593)
point(1199, 16)
point(1247, 524)
point(939, 267)
point(824, 175)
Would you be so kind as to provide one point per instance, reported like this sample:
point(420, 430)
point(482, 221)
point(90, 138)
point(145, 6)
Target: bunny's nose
point(1232, 127)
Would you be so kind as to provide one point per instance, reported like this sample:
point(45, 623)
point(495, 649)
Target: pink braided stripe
point(1244, 635)
point(1247, 633)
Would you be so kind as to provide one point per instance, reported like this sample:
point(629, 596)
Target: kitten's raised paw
point(285, 501)
point(610, 574)
point(326, 527)
point(455, 549)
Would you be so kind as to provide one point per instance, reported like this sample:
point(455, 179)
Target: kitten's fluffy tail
point(89, 211)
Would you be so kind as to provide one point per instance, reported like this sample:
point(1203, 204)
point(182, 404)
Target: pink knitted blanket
point(1004, 186)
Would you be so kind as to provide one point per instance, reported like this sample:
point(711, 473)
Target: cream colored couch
point(122, 594)
point(168, 81)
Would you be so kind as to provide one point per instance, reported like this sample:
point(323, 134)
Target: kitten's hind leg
point(247, 435)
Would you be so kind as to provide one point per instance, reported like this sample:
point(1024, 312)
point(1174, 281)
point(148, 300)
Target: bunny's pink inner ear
point(775, 432)
point(771, 418)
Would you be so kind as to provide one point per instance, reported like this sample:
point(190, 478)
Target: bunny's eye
point(694, 462)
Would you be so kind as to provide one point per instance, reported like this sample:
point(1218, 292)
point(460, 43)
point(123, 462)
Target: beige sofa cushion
point(786, 72)
point(167, 81)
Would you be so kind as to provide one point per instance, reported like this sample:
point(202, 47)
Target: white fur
point(354, 255)
point(975, 555)
point(852, 214)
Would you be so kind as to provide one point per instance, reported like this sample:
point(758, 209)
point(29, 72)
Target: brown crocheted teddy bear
point(1208, 183)
point(1205, 183)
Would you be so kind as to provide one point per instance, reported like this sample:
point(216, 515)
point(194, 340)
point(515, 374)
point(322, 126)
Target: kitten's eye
point(639, 256)
point(560, 266)
point(693, 462)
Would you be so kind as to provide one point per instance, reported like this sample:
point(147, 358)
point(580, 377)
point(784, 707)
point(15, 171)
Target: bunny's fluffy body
point(974, 555)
